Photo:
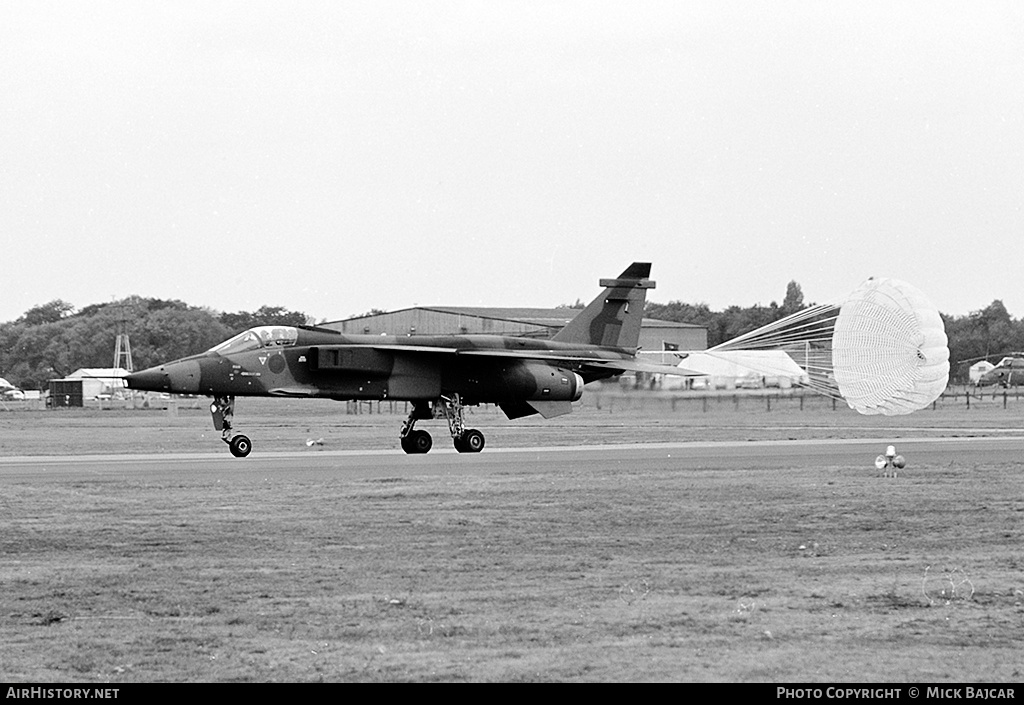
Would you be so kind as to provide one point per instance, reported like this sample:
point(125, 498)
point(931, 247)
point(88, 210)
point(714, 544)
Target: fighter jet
point(439, 375)
point(1008, 373)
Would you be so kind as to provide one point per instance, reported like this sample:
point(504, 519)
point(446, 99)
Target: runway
point(676, 558)
point(312, 463)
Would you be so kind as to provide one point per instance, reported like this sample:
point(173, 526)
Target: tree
point(371, 312)
point(172, 333)
point(264, 316)
point(794, 300)
point(47, 313)
point(695, 314)
point(994, 327)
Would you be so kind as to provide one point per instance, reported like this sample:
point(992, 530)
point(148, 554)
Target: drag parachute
point(883, 350)
point(889, 349)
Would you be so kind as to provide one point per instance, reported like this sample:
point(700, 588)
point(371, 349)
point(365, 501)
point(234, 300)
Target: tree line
point(989, 333)
point(53, 340)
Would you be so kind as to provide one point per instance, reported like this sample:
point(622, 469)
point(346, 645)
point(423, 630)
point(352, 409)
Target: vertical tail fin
point(614, 317)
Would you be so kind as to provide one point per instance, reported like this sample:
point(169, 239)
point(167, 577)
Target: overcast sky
point(333, 157)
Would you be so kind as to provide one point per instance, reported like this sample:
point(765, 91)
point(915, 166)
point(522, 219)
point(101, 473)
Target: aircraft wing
point(639, 366)
point(567, 358)
point(399, 348)
point(623, 365)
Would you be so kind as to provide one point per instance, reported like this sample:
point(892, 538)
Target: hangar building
point(525, 322)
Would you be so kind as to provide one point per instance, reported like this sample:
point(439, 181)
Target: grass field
point(609, 573)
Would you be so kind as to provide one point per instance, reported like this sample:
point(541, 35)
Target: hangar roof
point(98, 373)
point(552, 317)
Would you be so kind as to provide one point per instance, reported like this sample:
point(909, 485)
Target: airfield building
point(86, 384)
point(523, 322)
point(978, 370)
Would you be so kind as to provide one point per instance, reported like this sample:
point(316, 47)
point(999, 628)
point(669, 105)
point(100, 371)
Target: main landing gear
point(223, 410)
point(466, 440)
point(414, 441)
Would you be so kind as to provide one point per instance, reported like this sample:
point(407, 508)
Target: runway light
point(890, 462)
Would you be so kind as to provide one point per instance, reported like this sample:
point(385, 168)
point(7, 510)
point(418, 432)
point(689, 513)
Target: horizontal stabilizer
point(550, 409)
point(547, 409)
point(517, 409)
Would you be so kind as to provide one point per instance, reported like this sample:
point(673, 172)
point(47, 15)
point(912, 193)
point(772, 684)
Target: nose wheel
point(240, 446)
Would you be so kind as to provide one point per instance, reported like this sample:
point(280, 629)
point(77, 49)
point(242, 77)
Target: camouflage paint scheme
point(522, 375)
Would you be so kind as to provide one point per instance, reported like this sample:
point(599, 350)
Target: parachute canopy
point(889, 349)
point(883, 350)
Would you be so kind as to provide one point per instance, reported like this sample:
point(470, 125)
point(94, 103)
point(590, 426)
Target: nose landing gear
point(223, 411)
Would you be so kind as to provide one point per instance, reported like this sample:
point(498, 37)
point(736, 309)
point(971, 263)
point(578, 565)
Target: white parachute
point(883, 350)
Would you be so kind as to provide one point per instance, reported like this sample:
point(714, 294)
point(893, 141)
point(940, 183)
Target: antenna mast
point(122, 345)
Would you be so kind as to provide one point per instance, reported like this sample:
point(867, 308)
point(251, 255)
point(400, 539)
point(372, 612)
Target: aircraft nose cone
point(152, 380)
point(181, 377)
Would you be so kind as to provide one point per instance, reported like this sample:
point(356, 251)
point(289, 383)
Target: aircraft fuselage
point(1008, 373)
point(320, 363)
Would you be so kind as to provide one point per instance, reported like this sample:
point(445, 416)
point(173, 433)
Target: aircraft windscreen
point(259, 337)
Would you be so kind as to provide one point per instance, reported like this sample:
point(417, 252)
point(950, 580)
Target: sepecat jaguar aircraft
point(439, 375)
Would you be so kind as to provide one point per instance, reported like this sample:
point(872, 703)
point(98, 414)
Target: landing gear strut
point(466, 440)
point(223, 410)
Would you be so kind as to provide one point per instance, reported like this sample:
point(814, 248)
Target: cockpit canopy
point(257, 338)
